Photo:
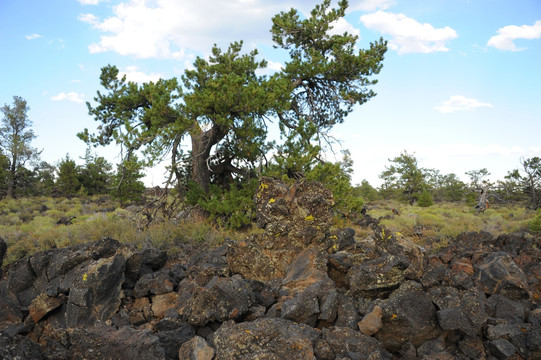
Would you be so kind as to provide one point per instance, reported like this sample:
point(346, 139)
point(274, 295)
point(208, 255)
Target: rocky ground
point(295, 291)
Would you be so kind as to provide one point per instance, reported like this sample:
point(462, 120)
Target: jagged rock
point(474, 239)
point(293, 218)
point(196, 349)
point(472, 347)
point(371, 322)
point(501, 349)
point(155, 283)
point(465, 313)
point(499, 274)
point(408, 315)
point(172, 340)
point(42, 305)
point(346, 313)
point(206, 265)
point(265, 338)
point(436, 272)
point(344, 238)
point(105, 342)
point(139, 312)
point(376, 278)
point(153, 258)
point(502, 307)
point(95, 295)
point(309, 296)
point(345, 343)
point(18, 348)
point(162, 303)
point(220, 300)
point(9, 313)
point(20, 281)
point(513, 243)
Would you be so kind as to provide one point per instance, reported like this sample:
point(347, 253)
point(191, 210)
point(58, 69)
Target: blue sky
point(460, 86)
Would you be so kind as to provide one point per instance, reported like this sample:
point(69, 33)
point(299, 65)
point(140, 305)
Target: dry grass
point(30, 225)
point(443, 222)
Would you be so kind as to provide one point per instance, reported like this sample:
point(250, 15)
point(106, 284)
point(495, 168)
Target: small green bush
point(425, 199)
point(535, 224)
point(233, 209)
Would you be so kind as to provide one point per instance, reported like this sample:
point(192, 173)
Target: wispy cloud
point(33, 36)
point(407, 35)
point(71, 96)
point(507, 34)
point(459, 102)
point(88, 18)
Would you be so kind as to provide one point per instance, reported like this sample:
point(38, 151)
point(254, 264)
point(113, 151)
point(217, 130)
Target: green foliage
point(126, 183)
point(337, 178)
point(405, 177)
point(478, 179)
point(44, 179)
point(67, 180)
point(535, 224)
point(367, 191)
point(222, 105)
point(15, 139)
point(232, 209)
point(4, 174)
point(327, 74)
point(425, 199)
point(95, 175)
point(296, 155)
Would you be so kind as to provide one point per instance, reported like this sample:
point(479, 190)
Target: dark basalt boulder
point(265, 338)
point(409, 315)
point(220, 300)
point(106, 342)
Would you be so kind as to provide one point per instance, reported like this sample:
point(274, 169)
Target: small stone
point(196, 349)
point(501, 349)
point(371, 322)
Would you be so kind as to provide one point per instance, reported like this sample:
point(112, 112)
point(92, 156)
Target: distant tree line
point(22, 173)
point(404, 180)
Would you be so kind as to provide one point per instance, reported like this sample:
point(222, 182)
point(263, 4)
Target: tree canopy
point(223, 106)
point(15, 139)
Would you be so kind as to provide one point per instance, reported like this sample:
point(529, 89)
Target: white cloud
point(133, 74)
point(33, 36)
point(71, 96)
point(341, 26)
point(458, 102)
point(175, 29)
point(408, 35)
point(274, 66)
point(507, 34)
point(371, 5)
point(166, 28)
point(88, 18)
